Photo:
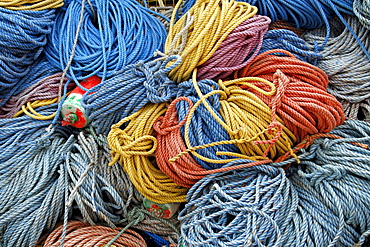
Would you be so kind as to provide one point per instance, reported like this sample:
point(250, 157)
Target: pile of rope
point(345, 63)
point(361, 8)
point(310, 204)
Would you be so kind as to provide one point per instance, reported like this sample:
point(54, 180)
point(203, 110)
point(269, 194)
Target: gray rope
point(343, 59)
point(361, 8)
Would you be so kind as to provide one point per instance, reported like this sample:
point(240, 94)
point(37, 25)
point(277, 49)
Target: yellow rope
point(34, 5)
point(198, 33)
point(246, 118)
point(31, 107)
point(134, 148)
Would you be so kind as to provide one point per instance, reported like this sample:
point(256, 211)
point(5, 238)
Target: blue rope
point(289, 41)
point(33, 178)
point(204, 128)
point(40, 69)
point(121, 33)
point(128, 91)
point(22, 38)
point(154, 240)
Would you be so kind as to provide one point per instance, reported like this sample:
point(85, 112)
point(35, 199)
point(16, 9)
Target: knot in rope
point(324, 173)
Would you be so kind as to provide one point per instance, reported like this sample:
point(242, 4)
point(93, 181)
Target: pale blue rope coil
point(33, 178)
point(204, 128)
point(361, 8)
point(113, 34)
point(22, 38)
point(128, 91)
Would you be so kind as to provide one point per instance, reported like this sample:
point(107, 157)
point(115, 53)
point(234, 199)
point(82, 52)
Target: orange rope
point(184, 171)
point(285, 25)
point(82, 234)
point(304, 104)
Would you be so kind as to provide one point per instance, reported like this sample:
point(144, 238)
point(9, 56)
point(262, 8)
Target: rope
point(164, 11)
point(361, 8)
point(33, 178)
point(289, 41)
point(344, 61)
point(356, 111)
point(303, 102)
point(197, 35)
point(185, 171)
point(237, 50)
point(45, 89)
point(29, 110)
point(101, 192)
point(37, 71)
point(20, 49)
point(34, 5)
point(81, 234)
point(112, 34)
point(128, 91)
point(134, 147)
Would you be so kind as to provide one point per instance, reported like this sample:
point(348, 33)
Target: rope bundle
point(289, 41)
point(343, 60)
point(237, 50)
point(46, 88)
point(34, 5)
point(361, 8)
point(111, 35)
point(128, 91)
point(197, 35)
point(33, 178)
point(19, 49)
point(279, 24)
point(301, 99)
point(101, 192)
point(134, 146)
point(82, 234)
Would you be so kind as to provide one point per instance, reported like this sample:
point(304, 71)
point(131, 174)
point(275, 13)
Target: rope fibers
point(46, 88)
point(197, 35)
point(37, 71)
point(23, 36)
point(83, 234)
point(101, 192)
point(34, 5)
point(301, 99)
point(238, 49)
point(357, 111)
point(33, 178)
point(134, 146)
point(344, 61)
point(112, 35)
point(128, 91)
point(361, 8)
point(289, 41)
point(279, 24)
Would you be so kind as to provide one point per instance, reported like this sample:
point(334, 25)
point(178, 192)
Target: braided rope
point(34, 5)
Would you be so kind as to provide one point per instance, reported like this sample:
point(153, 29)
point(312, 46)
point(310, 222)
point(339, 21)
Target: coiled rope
point(134, 147)
point(302, 101)
point(197, 35)
point(279, 24)
point(33, 178)
point(83, 234)
point(110, 36)
point(344, 61)
point(46, 88)
point(361, 8)
point(289, 41)
point(128, 91)
point(34, 5)
point(238, 49)
point(19, 49)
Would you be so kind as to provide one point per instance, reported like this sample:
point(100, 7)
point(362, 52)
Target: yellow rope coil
point(198, 33)
point(247, 120)
point(134, 148)
point(29, 109)
point(34, 5)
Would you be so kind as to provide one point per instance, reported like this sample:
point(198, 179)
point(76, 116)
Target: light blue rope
point(204, 129)
point(22, 38)
point(128, 91)
point(33, 178)
point(121, 33)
